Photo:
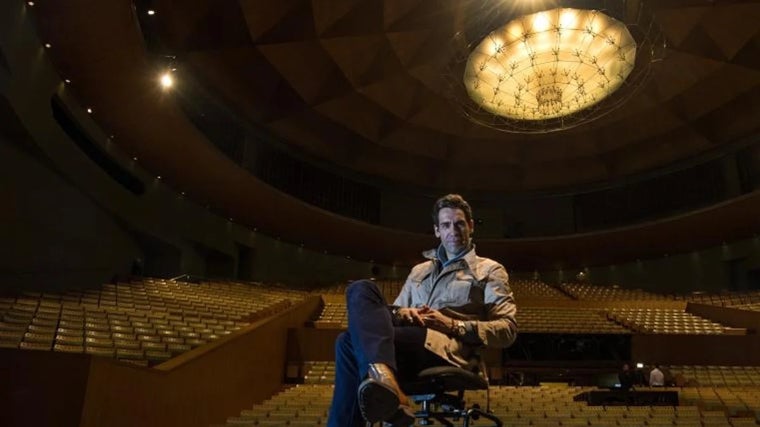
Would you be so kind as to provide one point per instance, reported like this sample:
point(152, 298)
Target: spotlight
point(151, 12)
point(89, 110)
point(30, 3)
point(166, 80)
point(48, 45)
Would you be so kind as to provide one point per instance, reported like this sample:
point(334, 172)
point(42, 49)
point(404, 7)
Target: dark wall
point(53, 236)
point(729, 266)
point(42, 388)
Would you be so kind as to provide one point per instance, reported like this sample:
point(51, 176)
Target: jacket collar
point(470, 257)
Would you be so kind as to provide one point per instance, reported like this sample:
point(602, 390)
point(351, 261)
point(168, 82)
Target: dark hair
point(453, 201)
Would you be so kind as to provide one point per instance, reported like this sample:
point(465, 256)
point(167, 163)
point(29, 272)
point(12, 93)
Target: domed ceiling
point(360, 84)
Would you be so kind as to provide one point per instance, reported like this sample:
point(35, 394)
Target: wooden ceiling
point(360, 84)
point(357, 84)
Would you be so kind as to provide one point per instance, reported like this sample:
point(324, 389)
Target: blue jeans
point(372, 338)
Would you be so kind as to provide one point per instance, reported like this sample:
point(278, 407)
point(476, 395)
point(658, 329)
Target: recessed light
point(167, 81)
point(67, 81)
point(30, 3)
point(134, 158)
point(151, 12)
point(158, 177)
point(48, 45)
point(89, 110)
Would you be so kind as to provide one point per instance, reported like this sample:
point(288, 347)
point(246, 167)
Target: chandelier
point(550, 64)
point(553, 69)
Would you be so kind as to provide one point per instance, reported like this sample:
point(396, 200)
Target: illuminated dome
point(522, 68)
point(550, 64)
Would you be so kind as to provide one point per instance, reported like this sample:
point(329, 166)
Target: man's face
point(453, 229)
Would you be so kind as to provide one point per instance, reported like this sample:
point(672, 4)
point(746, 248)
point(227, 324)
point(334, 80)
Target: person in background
point(626, 377)
point(656, 377)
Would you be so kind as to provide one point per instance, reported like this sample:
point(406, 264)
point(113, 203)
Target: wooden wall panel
point(42, 388)
point(200, 387)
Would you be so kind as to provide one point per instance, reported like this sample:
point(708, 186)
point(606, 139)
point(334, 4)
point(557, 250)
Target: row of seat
point(552, 405)
point(533, 289)
point(755, 306)
point(664, 321)
point(334, 315)
point(143, 322)
point(390, 288)
point(583, 291)
point(555, 401)
point(576, 319)
point(736, 377)
point(567, 320)
point(726, 299)
point(538, 290)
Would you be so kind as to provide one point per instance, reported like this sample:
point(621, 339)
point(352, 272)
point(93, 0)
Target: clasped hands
point(426, 317)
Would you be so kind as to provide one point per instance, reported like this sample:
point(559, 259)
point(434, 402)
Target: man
point(449, 306)
point(626, 377)
point(656, 377)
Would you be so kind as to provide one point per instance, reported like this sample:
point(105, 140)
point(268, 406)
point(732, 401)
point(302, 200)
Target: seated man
point(449, 306)
point(627, 377)
point(656, 377)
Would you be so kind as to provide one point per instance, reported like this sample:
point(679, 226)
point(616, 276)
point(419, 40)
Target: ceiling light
point(67, 81)
point(30, 3)
point(166, 80)
point(550, 64)
point(151, 12)
point(48, 45)
point(551, 70)
point(89, 110)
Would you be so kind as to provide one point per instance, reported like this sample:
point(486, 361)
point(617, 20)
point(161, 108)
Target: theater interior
point(191, 186)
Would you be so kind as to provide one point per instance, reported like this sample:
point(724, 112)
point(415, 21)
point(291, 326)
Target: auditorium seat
point(536, 290)
point(334, 315)
point(609, 293)
point(576, 320)
point(664, 321)
point(149, 320)
point(543, 405)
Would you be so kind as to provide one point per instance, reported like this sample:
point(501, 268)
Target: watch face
point(461, 330)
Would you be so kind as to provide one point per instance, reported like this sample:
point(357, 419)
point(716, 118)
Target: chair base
point(449, 409)
point(432, 390)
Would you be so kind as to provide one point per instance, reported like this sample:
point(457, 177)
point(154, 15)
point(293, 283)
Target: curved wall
point(704, 180)
point(731, 266)
point(69, 223)
point(53, 236)
point(185, 237)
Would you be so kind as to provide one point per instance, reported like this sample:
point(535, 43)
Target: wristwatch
point(459, 328)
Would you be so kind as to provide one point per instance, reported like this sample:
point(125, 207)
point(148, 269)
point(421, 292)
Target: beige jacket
point(473, 289)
